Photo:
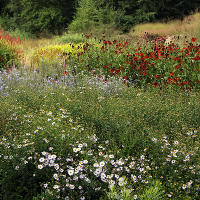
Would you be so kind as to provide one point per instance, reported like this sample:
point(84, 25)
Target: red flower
point(157, 76)
point(117, 71)
point(177, 79)
point(177, 66)
point(193, 39)
point(171, 73)
point(177, 58)
point(105, 67)
point(154, 83)
point(105, 81)
point(125, 43)
point(144, 73)
point(65, 73)
point(105, 42)
point(169, 80)
point(196, 58)
point(124, 78)
point(112, 70)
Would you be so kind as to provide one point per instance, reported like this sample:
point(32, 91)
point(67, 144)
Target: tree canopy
point(54, 16)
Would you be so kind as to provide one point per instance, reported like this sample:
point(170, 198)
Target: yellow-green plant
point(55, 53)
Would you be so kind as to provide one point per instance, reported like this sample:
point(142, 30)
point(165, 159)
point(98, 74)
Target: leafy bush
point(74, 38)
point(10, 53)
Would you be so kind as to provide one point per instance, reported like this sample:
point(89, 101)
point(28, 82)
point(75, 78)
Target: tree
point(92, 13)
point(37, 16)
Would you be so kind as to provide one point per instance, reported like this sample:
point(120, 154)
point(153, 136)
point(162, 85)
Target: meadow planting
point(100, 118)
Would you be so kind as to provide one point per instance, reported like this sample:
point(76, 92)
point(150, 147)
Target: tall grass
point(190, 28)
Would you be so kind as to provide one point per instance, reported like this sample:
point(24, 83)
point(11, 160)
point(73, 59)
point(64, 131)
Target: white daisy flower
point(49, 156)
point(56, 166)
point(111, 156)
point(75, 150)
point(173, 161)
point(70, 172)
point(44, 153)
point(135, 196)
point(71, 187)
point(56, 187)
point(42, 159)
point(96, 165)
point(56, 176)
point(120, 183)
point(40, 166)
point(85, 161)
point(102, 163)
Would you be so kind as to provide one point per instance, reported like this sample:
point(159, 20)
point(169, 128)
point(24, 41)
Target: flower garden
point(100, 119)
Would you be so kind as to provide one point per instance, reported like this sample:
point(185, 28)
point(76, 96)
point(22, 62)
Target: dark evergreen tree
point(37, 16)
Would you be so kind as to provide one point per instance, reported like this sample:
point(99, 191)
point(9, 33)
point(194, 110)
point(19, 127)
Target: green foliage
point(21, 34)
point(56, 54)
point(149, 135)
point(128, 124)
point(83, 15)
point(123, 192)
point(87, 16)
point(90, 14)
point(67, 133)
point(37, 16)
point(74, 38)
point(153, 192)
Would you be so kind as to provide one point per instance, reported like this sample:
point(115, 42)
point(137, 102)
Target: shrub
point(72, 38)
point(9, 50)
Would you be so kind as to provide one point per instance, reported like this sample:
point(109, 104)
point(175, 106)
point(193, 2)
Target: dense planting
point(10, 53)
point(102, 120)
point(155, 63)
